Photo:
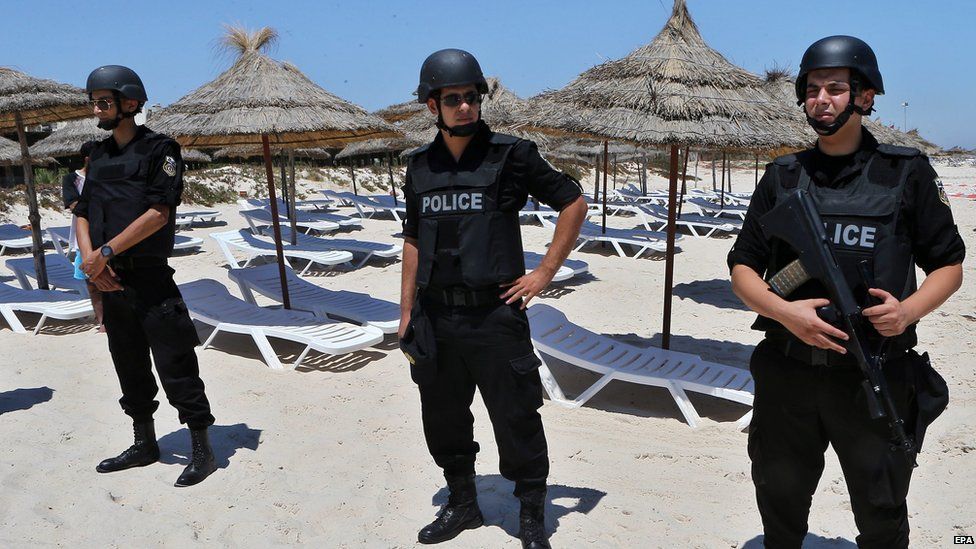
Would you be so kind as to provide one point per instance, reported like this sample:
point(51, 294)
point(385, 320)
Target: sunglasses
point(102, 104)
point(455, 99)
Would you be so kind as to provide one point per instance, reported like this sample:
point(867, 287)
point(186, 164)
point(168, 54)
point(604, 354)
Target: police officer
point(881, 204)
point(464, 277)
point(126, 227)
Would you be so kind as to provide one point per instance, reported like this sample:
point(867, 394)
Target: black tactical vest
point(861, 220)
point(119, 194)
point(463, 237)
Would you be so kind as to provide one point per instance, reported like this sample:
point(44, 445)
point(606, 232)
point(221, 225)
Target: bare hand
point(526, 287)
point(889, 318)
point(802, 321)
point(106, 280)
point(93, 263)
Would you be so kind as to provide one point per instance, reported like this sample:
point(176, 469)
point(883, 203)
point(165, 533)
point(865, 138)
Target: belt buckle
point(458, 296)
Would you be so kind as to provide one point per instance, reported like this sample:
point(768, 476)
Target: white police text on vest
point(447, 202)
point(851, 235)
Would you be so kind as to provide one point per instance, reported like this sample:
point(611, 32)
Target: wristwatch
point(107, 251)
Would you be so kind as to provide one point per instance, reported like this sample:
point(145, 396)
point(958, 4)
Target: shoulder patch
point(895, 150)
point(943, 197)
point(169, 166)
point(503, 139)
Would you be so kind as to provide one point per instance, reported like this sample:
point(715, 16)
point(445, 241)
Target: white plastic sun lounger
point(554, 335)
point(183, 242)
point(60, 273)
point(187, 218)
point(209, 302)
point(254, 246)
point(313, 204)
point(366, 206)
point(306, 296)
point(655, 218)
point(569, 268)
point(47, 303)
point(642, 241)
point(716, 210)
point(12, 236)
point(258, 216)
point(327, 243)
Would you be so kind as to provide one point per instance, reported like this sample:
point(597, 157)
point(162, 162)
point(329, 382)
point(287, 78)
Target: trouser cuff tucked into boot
point(202, 462)
point(461, 512)
point(532, 520)
point(144, 450)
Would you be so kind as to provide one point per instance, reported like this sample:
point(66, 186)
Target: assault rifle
point(797, 222)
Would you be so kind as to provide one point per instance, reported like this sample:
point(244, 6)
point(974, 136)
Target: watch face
point(106, 251)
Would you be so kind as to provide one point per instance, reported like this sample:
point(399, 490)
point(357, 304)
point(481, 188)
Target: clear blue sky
point(370, 52)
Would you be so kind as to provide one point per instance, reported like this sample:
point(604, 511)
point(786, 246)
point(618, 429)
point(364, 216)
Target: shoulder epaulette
point(786, 160)
point(418, 150)
point(503, 139)
point(895, 150)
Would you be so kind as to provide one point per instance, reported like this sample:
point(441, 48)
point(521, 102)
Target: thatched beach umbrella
point(260, 101)
point(28, 101)
point(675, 91)
point(67, 139)
point(10, 154)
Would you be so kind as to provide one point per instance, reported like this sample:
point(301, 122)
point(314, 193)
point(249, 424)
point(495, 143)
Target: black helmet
point(117, 78)
point(840, 52)
point(449, 67)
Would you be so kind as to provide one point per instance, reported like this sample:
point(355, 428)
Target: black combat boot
point(461, 512)
point(202, 462)
point(532, 521)
point(142, 452)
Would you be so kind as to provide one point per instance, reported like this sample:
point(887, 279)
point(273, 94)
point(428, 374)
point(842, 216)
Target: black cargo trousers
point(487, 347)
point(149, 315)
point(799, 409)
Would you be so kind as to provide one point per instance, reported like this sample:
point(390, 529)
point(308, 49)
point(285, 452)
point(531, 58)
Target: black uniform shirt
point(158, 181)
point(525, 172)
point(924, 208)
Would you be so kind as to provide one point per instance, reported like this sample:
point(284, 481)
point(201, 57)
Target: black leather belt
point(124, 263)
point(808, 354)
point(459, 296)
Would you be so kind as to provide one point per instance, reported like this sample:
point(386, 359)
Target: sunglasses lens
point(454, 99)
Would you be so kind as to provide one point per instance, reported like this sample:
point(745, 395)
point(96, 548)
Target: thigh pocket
point(170, 323)
point(755, 452)
point(526, 364)
point(892, 477)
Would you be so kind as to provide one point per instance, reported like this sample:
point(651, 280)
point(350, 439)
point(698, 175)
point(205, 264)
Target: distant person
point(881, 204)
point(464, 292)
point(71, 187)
point(126, 225)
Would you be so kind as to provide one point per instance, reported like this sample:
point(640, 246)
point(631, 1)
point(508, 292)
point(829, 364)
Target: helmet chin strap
point(461, 130)
point(842, 118)
point(114, 122)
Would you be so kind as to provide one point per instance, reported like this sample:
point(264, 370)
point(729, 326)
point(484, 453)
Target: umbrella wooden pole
point(389, 170)
point(713, 173)
point(596, 179)
point(644, 175)
point(352, 173)
point(293, 219)
point(606, 160)
point(669, 256)
point(684, 185)
point(284, 183)
point(275, 225)
point(614, 170)
point(722, 194)
point(33, 216)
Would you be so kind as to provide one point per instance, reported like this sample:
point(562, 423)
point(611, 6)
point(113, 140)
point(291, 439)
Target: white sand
point(333, 455)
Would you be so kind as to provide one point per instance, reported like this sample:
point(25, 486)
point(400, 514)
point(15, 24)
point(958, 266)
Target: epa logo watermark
point(963, 540)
